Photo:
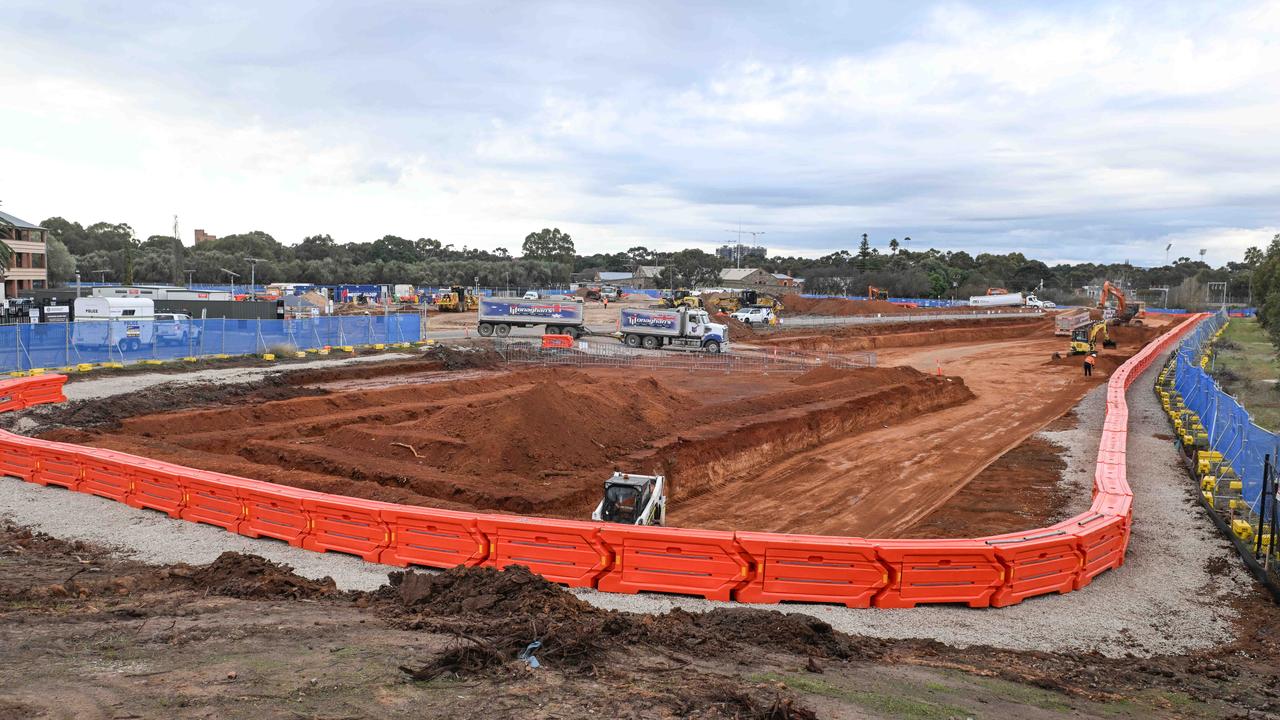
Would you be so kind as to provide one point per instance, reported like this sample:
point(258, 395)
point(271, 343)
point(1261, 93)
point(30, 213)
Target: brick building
point(28, 269)
point(202, 236)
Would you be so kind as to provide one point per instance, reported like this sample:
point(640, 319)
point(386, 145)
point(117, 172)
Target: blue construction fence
point(1231, 430)
point(55, 345)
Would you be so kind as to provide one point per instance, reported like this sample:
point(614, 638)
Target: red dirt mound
point(797, 305)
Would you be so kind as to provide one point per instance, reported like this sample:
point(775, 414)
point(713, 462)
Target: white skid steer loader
point(633, 500)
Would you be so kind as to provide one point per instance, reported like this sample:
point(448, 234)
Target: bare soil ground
point(827, 452)
point(88, 635)
point(533, 441)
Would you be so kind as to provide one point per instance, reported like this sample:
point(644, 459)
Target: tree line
point(548, 257)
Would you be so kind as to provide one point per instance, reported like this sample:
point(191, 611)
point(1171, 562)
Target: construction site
point(847, 420)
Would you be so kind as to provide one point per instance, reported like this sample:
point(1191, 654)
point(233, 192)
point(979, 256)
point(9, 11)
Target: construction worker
point(1089, 361)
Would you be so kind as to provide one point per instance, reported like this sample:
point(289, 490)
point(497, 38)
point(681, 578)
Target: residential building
point(737, 253)
point(28, 270)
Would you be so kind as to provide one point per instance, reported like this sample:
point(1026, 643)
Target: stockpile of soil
point(559, 424)
point(250, 576)
point(904, 334)
point(797, 305)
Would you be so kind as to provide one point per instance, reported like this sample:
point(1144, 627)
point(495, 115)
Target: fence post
point(258, 340)
point(1262, 504)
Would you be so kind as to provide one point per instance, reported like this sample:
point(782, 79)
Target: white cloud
point(1103, 130)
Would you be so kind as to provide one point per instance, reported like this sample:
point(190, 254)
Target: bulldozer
point(1126, 312)
point(875, 293)
point(1084, 339)
point(683, 298)
point(457, 300)
point(633, 500)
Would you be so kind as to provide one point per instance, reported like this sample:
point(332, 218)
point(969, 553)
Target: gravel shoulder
point(1164, 600)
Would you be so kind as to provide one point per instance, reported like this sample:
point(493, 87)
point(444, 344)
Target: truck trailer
point(499, 315)
point(682, 328)
point(1009, 300)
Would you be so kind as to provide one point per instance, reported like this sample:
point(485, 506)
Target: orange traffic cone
point(939, 368)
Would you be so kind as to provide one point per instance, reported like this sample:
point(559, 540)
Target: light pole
point(253, 267)
point(189, 280)
point(737, 250)
point(77, 284)
point(233, 281)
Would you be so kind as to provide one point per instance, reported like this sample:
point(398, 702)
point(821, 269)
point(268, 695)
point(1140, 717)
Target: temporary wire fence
point(1231, 457)
point(590, 353)
point(53, 345)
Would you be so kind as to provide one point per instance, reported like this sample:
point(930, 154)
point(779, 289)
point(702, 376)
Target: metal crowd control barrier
point(61, 345)
point(746, 566)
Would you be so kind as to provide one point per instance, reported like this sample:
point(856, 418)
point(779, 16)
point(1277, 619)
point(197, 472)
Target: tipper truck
point(1066, 322)
point(682, 328)
point(1008, 300)
point(499, 315)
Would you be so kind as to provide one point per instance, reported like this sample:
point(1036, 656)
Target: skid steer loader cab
point(633, 500)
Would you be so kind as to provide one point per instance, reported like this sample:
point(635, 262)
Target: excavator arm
point(1121, 301)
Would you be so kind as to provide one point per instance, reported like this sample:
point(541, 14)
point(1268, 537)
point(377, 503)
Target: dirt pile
point(904, 334)
point(839, 307)
point(108, 415)
point(252, 577)
point(500, 613)
point(560, 424)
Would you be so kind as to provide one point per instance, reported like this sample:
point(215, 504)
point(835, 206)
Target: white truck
point(561, 317)
point(682, 328)
point(121, 323)
point(754, 316)
point(1010, 300)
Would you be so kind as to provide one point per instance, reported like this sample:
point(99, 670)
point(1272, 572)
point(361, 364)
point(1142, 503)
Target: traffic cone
point(939, 368)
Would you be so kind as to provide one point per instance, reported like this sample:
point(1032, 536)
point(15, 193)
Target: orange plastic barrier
point(557, 341)
point(432, 538)
point(274, 511)
point(211, 498)
point(56, 464)
point(689, 562)
point(563, 551)
point(157, 486)
point(939, 571)
point(16, 458)
point(750, 567)
point(1037, 563)
point(346, 525)
point(811, 568)
point(1102, 541)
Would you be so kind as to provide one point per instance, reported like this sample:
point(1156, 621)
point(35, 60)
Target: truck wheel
point(650, 342)
point(572, 332)
point(485, 329)
point(712, 347)
point(632, 341)
point(503, 330)
point(552, 330)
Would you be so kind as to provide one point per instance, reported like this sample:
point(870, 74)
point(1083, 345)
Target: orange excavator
point(1126, 312)
point(875, 293)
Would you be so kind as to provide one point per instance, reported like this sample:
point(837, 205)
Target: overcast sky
point(1074, 131)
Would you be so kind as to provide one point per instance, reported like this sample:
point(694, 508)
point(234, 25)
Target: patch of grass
point(1247, 367)
point(898, 706)
point(1024, 694)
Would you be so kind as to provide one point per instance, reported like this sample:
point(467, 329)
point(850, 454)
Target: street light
point(233, 275)
point(253, 267)
point(189, 280)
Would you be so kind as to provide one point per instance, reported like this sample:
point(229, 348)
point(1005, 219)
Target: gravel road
point(1164, 600)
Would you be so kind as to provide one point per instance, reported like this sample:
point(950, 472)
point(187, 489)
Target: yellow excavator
point(1084, 339)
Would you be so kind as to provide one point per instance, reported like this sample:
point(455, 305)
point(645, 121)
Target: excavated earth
point(869, 452)
point(536, 440)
